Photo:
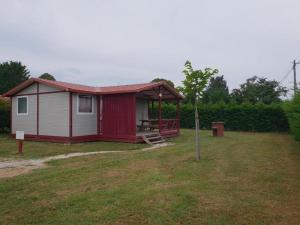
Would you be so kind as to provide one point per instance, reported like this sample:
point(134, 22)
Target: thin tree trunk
point(197, 139)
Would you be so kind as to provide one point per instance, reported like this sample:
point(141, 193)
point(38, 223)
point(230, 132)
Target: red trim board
point(41, 93)
point(88, 138)
point(37, 108)
point(70, 115)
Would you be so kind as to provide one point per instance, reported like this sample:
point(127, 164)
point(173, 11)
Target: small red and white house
point(64, 112)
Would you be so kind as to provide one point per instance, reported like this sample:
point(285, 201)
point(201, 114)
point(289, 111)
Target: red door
point(118, 116)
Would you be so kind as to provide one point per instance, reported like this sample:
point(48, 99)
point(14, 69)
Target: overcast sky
point(108, 42)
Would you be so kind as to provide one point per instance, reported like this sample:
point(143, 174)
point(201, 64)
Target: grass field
point(243, 178)
point(32, 150)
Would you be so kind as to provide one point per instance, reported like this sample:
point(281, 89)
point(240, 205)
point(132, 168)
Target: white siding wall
point(84, 124)
point(26, 123)
point(141, 110)
point(29, 90)
point(45, 88)
point(54, 114)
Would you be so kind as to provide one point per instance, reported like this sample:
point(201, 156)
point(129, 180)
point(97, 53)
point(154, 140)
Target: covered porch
point(149, 112)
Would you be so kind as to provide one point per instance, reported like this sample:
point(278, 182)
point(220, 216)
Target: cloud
point(115, 42)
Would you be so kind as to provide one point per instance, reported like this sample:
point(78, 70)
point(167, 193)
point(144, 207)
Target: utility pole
point(295, 77)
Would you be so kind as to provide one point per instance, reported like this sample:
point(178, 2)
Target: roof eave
point(162, 83)
point(18, 88)
point(29, 82)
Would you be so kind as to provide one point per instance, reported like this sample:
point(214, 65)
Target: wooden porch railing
point(168, 124)
point(163, 125)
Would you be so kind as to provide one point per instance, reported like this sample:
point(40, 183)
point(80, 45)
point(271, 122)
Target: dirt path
point(11, 167)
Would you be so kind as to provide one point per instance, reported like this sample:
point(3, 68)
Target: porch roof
point(121, 89)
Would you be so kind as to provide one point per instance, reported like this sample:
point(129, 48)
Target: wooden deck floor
point(141, 133)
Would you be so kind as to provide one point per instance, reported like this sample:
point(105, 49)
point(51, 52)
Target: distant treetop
point(47, 76)
point(12, 73)
point(216, 91)
point(165, 80)
point(259, 90)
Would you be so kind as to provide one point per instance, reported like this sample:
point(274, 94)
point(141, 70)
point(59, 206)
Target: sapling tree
point(193, 87)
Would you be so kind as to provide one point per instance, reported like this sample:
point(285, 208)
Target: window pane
point(22, 105)
point(85, 104)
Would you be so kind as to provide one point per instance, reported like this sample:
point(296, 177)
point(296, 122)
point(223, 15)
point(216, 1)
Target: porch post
point(178, 115)
point(159, 110)
point(152, 109)
point(149, 110)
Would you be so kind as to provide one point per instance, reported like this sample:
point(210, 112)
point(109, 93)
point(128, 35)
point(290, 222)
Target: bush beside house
point(4, 115)
point(259, 118)
point(292, 110)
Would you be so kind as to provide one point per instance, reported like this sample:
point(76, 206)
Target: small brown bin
point(218, 129)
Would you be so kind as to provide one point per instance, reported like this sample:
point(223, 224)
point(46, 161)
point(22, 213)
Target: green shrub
point(292, 110)
point(260, 117)
point(4, 116)
point(244, 117)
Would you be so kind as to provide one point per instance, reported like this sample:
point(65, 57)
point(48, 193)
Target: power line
point(297, 57)
point(286, 75)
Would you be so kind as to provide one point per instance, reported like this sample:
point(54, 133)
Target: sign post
point(20, 138)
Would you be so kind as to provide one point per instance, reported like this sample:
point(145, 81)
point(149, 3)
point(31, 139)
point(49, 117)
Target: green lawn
point(8, 148)
point(243, 178)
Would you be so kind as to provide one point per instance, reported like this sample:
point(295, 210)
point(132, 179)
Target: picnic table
point(151, 124)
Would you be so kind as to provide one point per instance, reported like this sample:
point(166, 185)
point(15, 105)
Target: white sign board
point(20, 135)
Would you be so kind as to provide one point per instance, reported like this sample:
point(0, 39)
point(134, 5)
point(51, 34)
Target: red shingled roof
point(67, 86)
point(133, 88)
point(129, 88)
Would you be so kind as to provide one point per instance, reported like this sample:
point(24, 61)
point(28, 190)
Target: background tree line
point(256, 105)
point(255, 90)
point(13, 73)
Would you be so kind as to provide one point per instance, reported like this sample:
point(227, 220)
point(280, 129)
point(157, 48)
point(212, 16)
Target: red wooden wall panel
point(119, 115)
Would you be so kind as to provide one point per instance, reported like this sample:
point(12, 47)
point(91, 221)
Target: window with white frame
point(85, 104)
point(22, 105)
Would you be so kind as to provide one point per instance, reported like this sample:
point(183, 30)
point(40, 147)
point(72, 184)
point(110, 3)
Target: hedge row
point(260, 118)
point(292, 109)
point(4, 116)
